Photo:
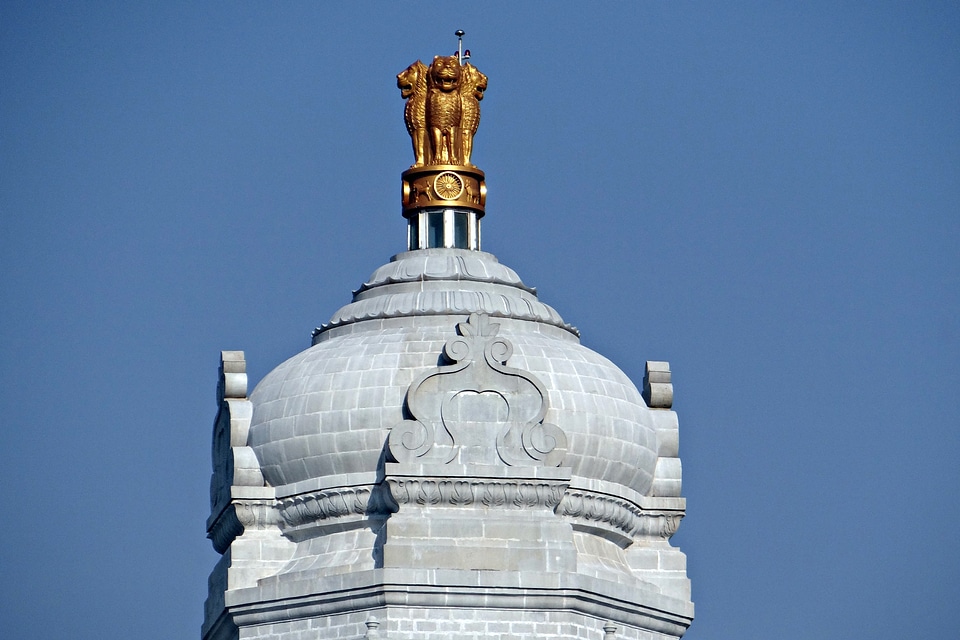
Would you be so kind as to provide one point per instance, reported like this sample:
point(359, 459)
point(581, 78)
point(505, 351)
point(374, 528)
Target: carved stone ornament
point(332, 504)
point(617, 518)
point(239, 516)
point(478, 410)
point(443, 186)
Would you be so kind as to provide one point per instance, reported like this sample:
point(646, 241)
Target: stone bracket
point(240, 515)
point(657, 385)
point(239, 497)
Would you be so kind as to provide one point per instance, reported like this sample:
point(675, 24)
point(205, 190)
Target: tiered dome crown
point(330, 409)
point(446, 451)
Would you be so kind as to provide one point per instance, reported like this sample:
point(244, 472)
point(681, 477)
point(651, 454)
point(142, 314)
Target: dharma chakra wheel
point(448, 185)
point(433, 186)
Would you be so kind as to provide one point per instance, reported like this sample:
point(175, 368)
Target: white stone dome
point(329, 410)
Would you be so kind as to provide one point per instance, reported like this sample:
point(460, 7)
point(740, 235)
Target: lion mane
point(472, 86)
point(444, 108)
point(412, 83)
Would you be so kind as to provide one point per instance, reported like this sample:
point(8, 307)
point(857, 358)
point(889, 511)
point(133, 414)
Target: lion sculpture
point(442, 112)
point(472, 86)
point(444, 109)
point(412, 83)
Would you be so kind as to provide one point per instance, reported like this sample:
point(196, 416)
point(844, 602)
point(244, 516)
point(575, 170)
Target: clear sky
point(764, 194)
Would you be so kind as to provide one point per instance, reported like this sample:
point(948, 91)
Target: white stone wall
point(449, 624)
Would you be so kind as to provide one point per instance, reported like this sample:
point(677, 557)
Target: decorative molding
point(235, 465)
point(233, 376)
point(615, 517)
point(458, 408)
point(618, 516)
point(445, 264)
point(239, 516)
point(385, 588)
point(385, 305)
point(483, 285)
point(657, 385)
point(504, 493)
point(330, 504)
point(339, 504)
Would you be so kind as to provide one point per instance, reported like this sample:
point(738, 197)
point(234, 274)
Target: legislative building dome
point(446, 460)
point(329, 410)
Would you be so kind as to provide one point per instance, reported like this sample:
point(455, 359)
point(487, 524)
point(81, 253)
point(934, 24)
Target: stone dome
point(329, 410)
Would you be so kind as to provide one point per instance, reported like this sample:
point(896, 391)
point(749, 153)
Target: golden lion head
point(409, 79)
point(474, 82)
point(445, 73)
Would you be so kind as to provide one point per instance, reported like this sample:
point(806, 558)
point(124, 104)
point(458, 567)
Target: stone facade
point(446, 461)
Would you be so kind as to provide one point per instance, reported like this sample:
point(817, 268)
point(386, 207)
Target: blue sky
point(764, 194)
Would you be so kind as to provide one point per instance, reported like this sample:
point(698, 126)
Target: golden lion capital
point(442, 112)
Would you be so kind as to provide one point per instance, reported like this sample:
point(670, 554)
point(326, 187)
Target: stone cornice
point(616, 519)
point(503, 493)
point(616, 513)
point(386, 587)
point(334, 506)
point(619, 513)
point(238, 516)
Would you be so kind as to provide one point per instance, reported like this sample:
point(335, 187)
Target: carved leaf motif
point(670, 526)
point(462, 493)
point(360, 499)
point(429, 493)
point(406, 490)
point(311, 507)
point(287, 514)
point(301, 508)
point(572, 505)
point(526, 496)
point(338, 504)
point(493, 495)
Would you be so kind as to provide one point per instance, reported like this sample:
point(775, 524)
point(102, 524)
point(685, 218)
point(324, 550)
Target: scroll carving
point(478, 410)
